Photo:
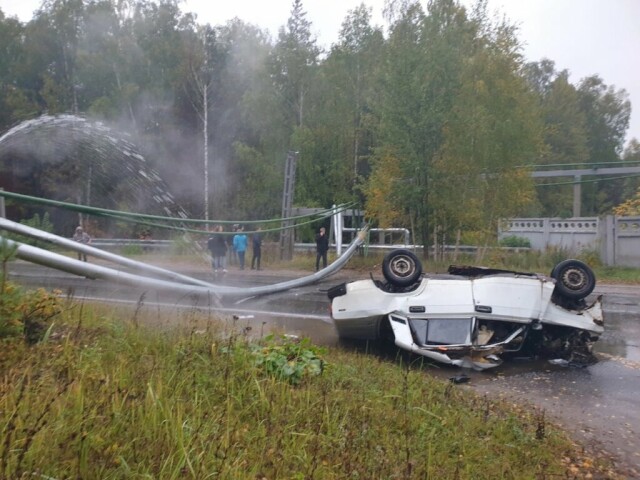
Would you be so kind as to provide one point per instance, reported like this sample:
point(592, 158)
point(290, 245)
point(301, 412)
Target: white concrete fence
point(616, 239)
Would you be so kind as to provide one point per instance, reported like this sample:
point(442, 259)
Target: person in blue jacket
point(240, 245)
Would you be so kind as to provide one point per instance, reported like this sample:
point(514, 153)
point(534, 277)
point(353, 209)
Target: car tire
point(574, 279)
point(401, 268)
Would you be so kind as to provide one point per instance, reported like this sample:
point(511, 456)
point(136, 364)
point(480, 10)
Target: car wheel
point(401, 268)
point(574, 279)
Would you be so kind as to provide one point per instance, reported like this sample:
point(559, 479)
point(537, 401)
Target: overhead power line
point(581, 165)
point(591, 180)
point(151, 220)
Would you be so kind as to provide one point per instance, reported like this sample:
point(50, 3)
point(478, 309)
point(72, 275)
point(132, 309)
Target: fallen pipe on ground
point(94, 252)
point(172, 280)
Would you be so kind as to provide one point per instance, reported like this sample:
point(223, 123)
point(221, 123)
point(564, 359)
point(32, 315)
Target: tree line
point(435, 124)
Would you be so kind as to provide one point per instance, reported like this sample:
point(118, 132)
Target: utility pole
point(205, 127)
point(287, 233)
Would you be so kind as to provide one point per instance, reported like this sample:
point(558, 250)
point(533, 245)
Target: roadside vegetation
point(111, 393)
point(519, 259)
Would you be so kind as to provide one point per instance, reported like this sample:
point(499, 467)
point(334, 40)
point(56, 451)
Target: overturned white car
point(473, 316)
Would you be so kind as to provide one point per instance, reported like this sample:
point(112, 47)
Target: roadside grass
point(624, 275)
point(109, 395)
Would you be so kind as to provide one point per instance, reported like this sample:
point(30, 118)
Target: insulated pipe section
point(76, 267)
point(97, 253)
point(66, 264)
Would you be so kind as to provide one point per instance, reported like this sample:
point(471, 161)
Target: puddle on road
point(621, 337)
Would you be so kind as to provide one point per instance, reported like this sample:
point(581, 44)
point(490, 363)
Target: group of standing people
point(217, 245)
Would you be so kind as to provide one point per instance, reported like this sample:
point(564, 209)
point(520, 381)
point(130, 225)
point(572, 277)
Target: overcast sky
point(584, 36)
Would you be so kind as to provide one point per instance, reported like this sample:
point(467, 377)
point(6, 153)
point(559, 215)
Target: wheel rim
point(402, 266)
point(574, 279)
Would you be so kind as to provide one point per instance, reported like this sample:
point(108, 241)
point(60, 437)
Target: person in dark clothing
point(322, 247)
point(217, 245)
point(257, 249)
point(233, 254)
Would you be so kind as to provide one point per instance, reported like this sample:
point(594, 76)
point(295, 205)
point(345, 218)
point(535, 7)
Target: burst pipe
point(96, 252)
point(178, 282)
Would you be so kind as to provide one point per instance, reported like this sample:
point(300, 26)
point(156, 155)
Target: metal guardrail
point(383, 233)
point(155, 245)
point(108, 243)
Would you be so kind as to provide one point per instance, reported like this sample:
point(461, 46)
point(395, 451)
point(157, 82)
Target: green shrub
point(132, 250)
point(289, 359)
point(590, 256)
point(23, 312)
point(554, 255)
point(515, 241)
point(41, 223)
point(181, 245)
point(27, 313)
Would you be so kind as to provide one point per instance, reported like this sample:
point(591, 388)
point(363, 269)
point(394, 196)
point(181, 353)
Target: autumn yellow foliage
point(382, 191)
point(629, 208)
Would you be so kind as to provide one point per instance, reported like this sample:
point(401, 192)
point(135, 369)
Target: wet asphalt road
point(600, 403)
